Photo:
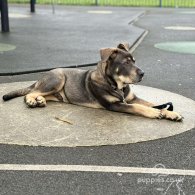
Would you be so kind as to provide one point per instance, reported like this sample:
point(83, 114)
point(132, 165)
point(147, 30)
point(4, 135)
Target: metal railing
point(135, 3)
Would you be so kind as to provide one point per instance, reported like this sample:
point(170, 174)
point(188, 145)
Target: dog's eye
point(128, 62)
point(132, 59)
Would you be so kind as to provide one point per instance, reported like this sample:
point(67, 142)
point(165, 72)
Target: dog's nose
point(140, 72)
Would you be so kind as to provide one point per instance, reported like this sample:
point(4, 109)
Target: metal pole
point(32, 5)
point(160, 3)
point(96, 2)
point(53, 6)
point(176, 4)
point(4, 16)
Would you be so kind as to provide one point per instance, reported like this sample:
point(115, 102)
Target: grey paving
point(85, 183)
point(70, 37)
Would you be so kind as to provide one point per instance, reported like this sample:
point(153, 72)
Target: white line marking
point(140, 39)
point(16, 15)
point(92, 168)
point(100, 12)
point(179, 28)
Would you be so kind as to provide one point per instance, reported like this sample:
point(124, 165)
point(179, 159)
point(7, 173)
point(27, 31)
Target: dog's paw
point(174, 116)
point(31, 102)
point(155, 114)
point(41, 102)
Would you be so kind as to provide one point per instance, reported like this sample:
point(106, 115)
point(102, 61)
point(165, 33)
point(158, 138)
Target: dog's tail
point(18, 93)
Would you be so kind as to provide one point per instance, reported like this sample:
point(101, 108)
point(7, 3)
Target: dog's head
point(119, 65)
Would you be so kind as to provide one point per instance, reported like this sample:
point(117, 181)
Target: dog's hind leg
point(49, 85)
point(35, 99)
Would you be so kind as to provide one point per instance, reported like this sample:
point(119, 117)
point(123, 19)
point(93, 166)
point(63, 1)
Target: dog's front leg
point(137, 109)
point(137, 100)
point(170, 115)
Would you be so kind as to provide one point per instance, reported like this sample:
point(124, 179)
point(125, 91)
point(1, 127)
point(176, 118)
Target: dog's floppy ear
point(105, 53)
point(124, 46)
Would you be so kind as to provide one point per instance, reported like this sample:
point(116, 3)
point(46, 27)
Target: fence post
point(53, 6)
point(32, 5)
point(4, 16)
point(160, 3)
point(176, 4)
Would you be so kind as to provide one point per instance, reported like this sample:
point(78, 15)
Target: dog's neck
point(115, 83)
point(120, 85)
point(99, 77)
point(103, 74)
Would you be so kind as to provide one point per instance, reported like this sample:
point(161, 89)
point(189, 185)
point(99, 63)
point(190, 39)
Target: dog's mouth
point(133, 81)
point(140, 79)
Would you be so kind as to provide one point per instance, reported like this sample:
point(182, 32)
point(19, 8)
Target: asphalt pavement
point(72, 36)
point(165, 70)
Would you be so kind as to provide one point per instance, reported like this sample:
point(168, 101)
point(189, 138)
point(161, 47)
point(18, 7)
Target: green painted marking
point(6, 47)
point(187, 47)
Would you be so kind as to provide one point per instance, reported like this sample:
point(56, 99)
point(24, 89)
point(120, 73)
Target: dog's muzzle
point(140, 74)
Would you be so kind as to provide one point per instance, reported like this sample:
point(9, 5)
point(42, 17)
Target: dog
point(106, 87)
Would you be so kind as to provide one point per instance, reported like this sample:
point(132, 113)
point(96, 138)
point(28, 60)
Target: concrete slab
point(90, 127)
point(72, 36)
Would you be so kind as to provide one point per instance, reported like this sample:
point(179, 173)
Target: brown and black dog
point(105, 87)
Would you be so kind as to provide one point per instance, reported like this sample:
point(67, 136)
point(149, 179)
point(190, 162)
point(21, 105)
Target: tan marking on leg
point(31, 99)
point(147, 111)
point(41, 102)
point(91, 105)
point(174, 116)
point(130, 97)
point(51, 98)
point(111, 98)
point(137, 100)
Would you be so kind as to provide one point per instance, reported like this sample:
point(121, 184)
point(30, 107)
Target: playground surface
point(160, 166)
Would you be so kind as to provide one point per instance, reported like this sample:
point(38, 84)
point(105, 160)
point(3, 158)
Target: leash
point(168, 106)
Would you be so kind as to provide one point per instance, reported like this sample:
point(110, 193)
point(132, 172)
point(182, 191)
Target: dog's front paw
point(41, 102)
point(174, 116)
point(154, 113)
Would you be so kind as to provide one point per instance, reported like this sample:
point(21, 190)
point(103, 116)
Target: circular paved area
point(90, 127)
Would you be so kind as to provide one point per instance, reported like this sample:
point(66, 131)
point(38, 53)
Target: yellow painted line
point(92, 168)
